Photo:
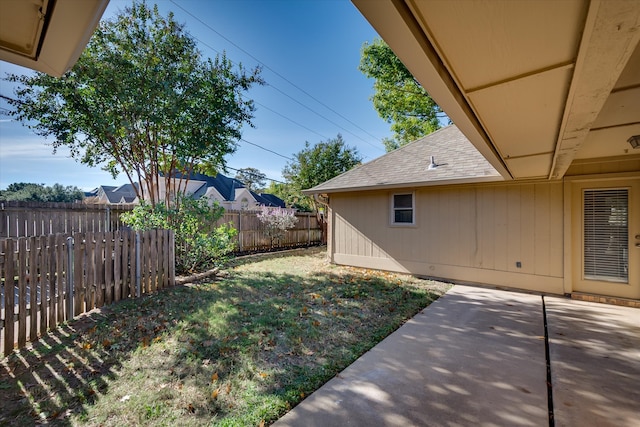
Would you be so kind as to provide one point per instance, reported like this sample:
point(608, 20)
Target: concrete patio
point(477, 356)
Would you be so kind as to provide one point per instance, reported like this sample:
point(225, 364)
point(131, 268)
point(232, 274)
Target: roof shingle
point(456, 158)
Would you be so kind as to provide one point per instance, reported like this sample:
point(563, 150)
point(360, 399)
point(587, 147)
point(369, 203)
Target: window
point(402, 209)
point(606, 241)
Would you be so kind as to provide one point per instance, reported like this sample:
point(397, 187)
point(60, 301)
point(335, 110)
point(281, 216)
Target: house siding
point(474, 233)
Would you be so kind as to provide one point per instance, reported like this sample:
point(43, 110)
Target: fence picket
point(22, 291)
point(43, 283)
point(78, 273)
point(8, 297)
point(99, 268)
point(153, 261)
point(33, 288)
point(90, 284)
point(61, 280)
point(117, 266)
point(108, 267)
point(51, 297)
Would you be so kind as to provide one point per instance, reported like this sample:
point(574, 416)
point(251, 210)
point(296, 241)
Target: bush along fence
point(47, 280)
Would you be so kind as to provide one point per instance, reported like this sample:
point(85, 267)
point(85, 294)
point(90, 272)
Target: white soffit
point(523, 116)
point(488, 42)
point(524, 80)
point(21, 25)
point(513, 61)
point(609, 142)
point(530, 167)
point(47, 35)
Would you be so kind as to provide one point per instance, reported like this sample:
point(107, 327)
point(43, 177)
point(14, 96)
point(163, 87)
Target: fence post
point(240, 231)
point(70, 276)
point(308, 229)
point(107, 226)
point(138, 266)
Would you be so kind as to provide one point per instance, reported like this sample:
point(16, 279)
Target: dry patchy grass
point(238, 351)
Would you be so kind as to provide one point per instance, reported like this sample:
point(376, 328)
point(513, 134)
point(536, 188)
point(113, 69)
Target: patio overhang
point(47, 35)
point(532, 84)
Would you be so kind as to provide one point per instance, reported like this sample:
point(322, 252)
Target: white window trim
point(392, 210)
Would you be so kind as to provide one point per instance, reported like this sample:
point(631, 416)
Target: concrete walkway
point(477, 357)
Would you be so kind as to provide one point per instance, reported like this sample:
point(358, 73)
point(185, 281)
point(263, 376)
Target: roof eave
point(397, 26)
point(71, 26)
point(416, 184)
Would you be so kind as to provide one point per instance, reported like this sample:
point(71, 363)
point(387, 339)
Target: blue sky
point(312, 44)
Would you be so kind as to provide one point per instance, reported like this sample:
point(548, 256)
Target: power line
point(8, 98)
point(266, 149)
point(268, 179)
point(291, 120)
point(285, 79)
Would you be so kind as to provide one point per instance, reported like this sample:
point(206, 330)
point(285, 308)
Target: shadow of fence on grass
point(294, 332)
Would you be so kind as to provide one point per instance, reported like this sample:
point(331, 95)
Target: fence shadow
point(76, 366)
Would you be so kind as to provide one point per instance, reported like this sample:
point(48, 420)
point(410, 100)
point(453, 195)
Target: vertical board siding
point(488, 227)
point(35, 278)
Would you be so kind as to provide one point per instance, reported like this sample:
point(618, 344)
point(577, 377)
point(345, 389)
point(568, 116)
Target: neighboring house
point(106, 194)
point(228, 192)
point(553, 108)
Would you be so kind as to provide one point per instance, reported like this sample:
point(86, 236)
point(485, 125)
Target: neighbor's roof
point(457, 160)
point(270, 200)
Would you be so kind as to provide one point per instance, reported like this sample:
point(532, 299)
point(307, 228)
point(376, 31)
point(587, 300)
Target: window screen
point(606, 241)
point(403, 208)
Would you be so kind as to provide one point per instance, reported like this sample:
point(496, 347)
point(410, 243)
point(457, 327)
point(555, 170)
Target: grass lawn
point(237, 351)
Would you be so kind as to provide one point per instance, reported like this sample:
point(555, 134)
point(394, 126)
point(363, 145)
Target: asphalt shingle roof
point(456, 157)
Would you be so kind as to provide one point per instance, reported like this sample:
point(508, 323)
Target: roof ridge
point(385, 155)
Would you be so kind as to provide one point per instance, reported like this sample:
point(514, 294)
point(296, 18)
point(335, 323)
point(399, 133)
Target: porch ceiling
point(47, 35)
point(533, 84)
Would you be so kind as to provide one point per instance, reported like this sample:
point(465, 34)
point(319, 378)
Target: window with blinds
point(606, 235)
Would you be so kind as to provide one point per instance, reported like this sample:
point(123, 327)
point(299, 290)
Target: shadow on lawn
point(55, 376)
point(199, 346)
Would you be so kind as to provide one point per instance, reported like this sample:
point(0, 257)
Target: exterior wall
point(243, 193)
point(476, 233)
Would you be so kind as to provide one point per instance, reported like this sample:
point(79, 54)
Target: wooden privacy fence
point(251, 232)
point(23, 219)
point(47, 280)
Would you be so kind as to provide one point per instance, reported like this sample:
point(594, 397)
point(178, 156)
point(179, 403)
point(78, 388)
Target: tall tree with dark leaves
point(142, 100)
point(31, 192)
point(399, 98)
point(252, 178)
point(316, 164)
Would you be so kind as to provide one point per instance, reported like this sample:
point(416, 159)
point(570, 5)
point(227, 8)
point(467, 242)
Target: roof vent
point(433, 164)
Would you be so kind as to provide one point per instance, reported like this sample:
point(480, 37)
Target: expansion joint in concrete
point(546, 354)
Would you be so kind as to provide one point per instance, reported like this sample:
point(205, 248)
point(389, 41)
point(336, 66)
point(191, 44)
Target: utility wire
point(285, 79)
point(291, 120)
point(8, 98)
point(268, 179)
point(266, 149)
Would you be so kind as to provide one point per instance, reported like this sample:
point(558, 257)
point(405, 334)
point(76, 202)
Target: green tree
point(252, 178)
point(30, 192)
point(399, 98)
point(141, 100)
point(319, 163)
point(292, 198)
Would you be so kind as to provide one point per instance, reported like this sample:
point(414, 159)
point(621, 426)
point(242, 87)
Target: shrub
point(198, 245)
point(277, 221)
